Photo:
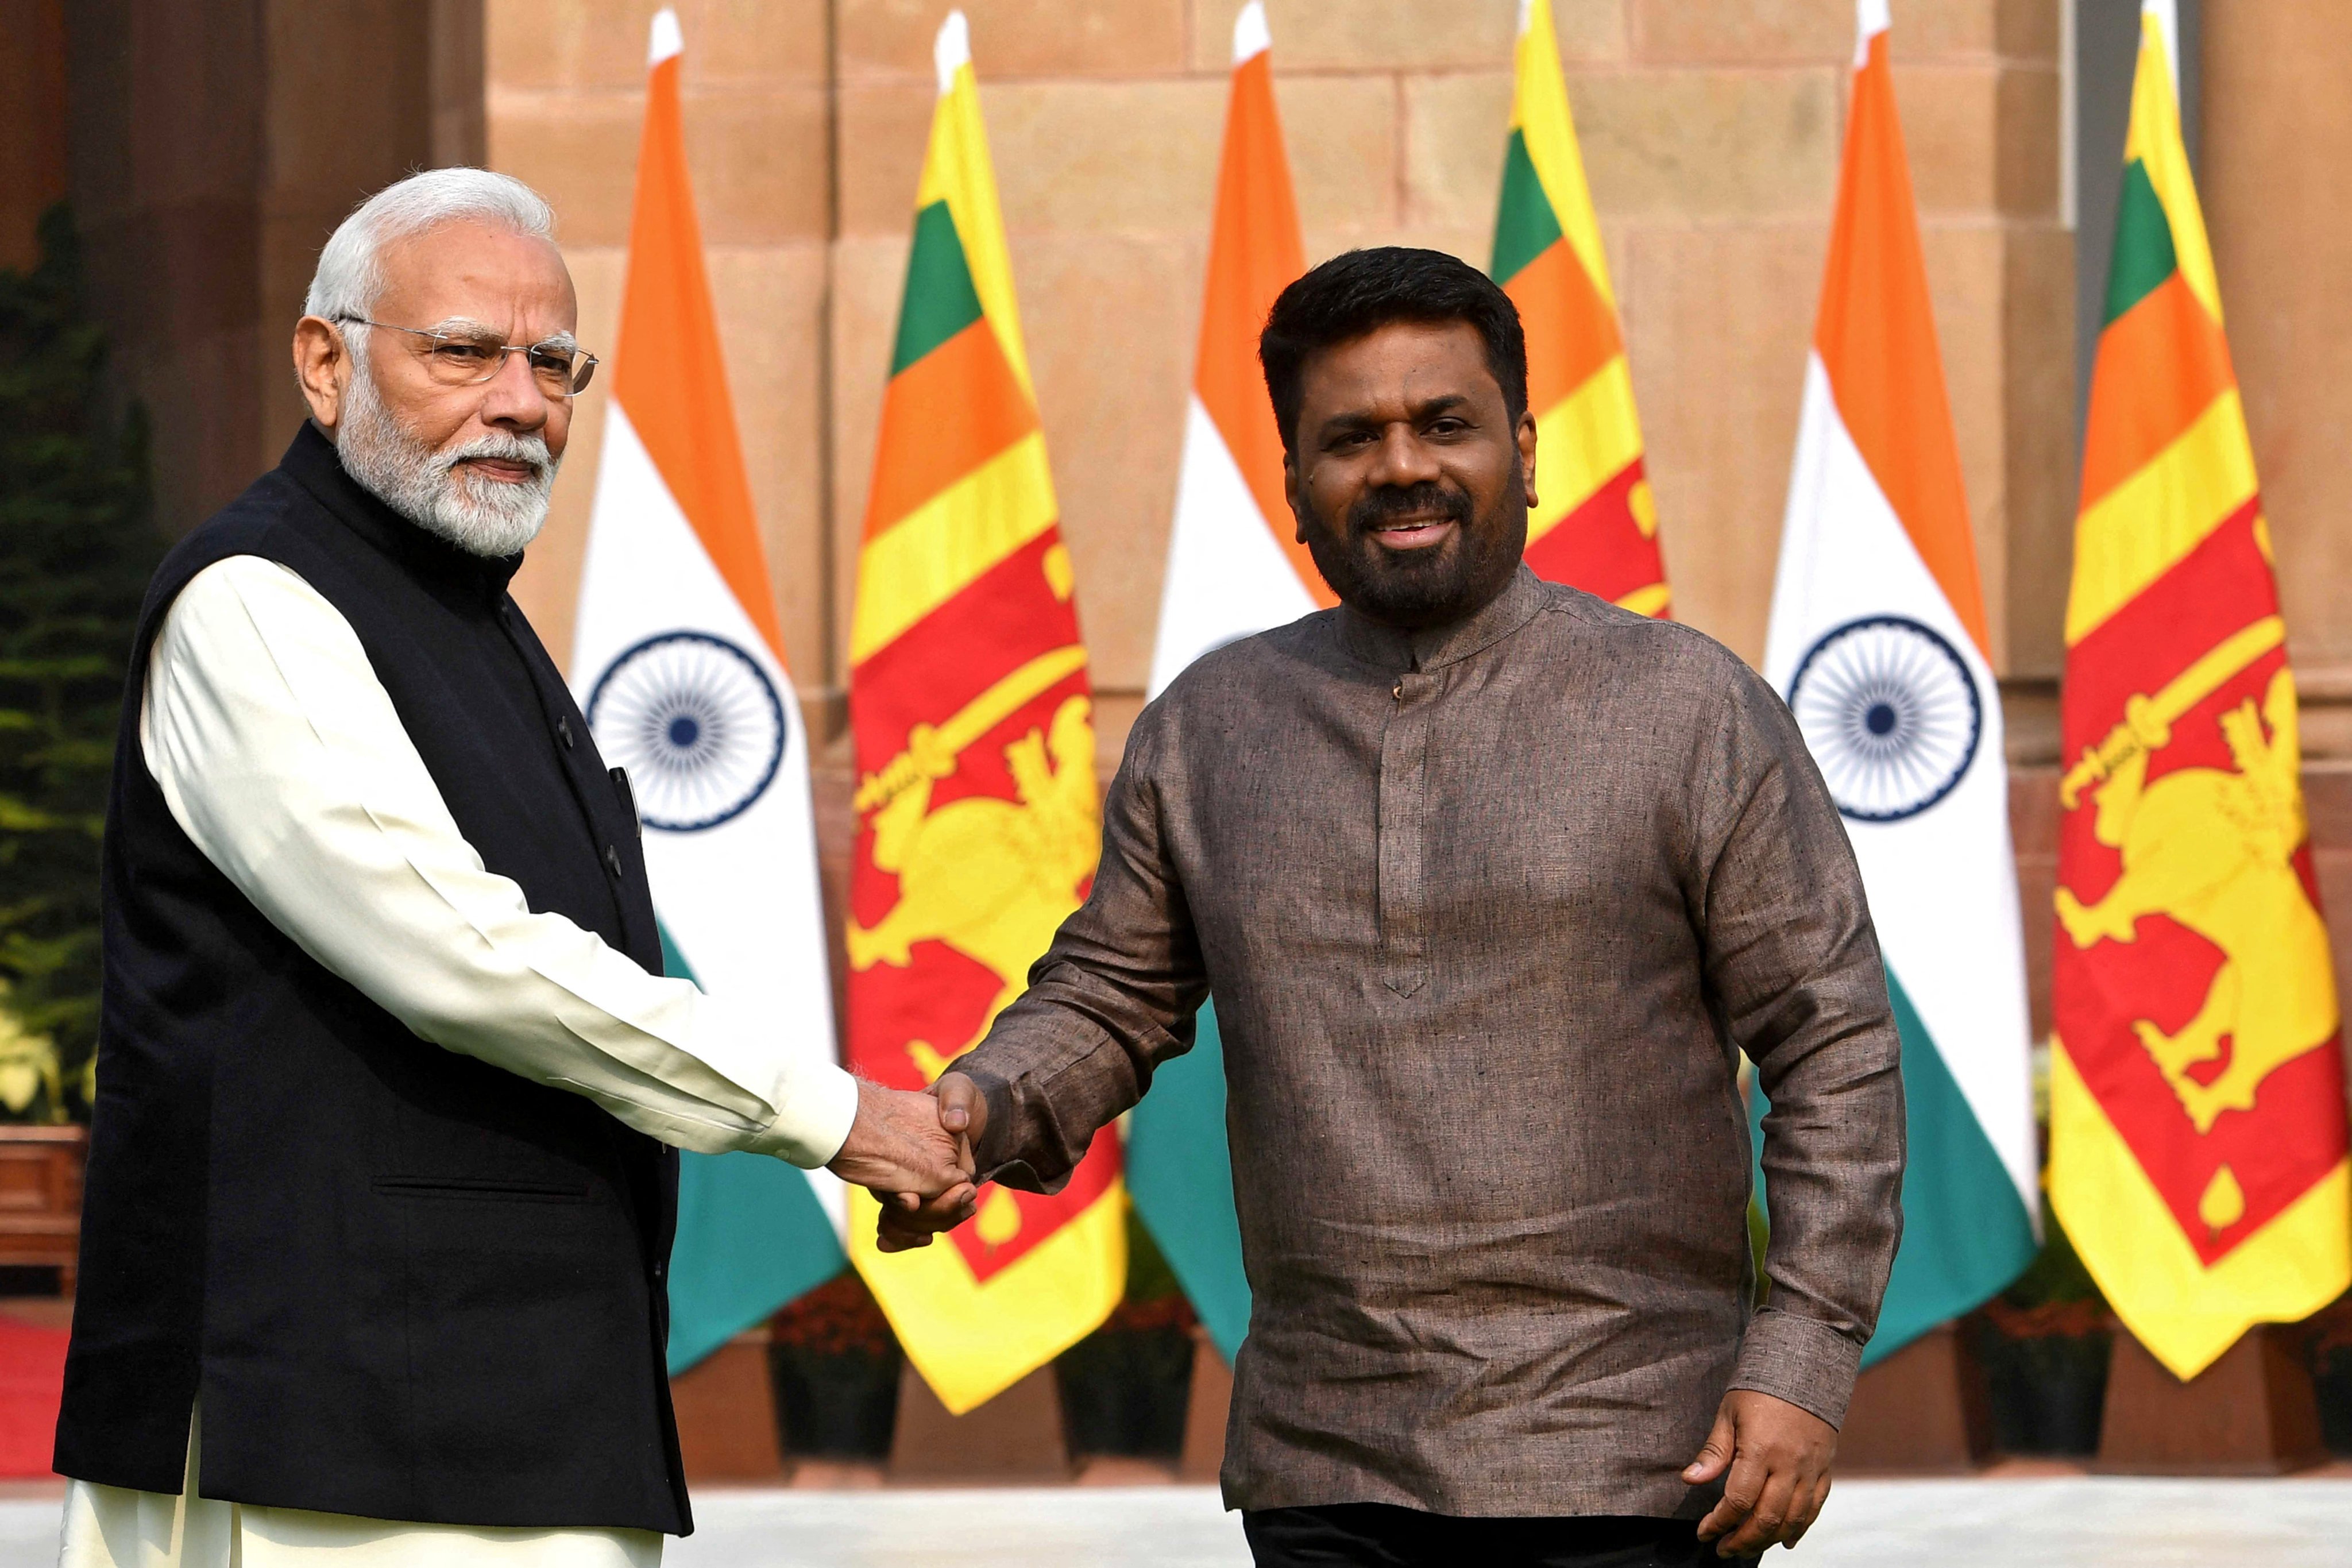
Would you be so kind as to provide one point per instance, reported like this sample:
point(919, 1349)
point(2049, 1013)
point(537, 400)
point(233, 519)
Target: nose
point(1403, 459)
point(511, 398)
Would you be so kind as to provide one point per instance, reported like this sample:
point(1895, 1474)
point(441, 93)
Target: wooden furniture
point(1015, 1437)
point(1923, 1411)
point(726, 1429)
point(2251, 1413)
point(40, 1198)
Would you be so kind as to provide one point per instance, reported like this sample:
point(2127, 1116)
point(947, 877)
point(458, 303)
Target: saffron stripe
point(943, 416)
point(2139, 528)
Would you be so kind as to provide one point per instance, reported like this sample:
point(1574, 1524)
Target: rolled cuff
point(810, 1131)
point(1801, 1360)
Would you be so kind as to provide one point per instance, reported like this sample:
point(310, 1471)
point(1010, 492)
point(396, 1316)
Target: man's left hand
point(1778, 1458)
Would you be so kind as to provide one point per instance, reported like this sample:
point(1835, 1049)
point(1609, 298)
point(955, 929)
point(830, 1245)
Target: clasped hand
point(914, 1153)
point(903, 1149)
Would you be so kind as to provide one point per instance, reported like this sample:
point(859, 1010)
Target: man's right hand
point(899, 1150)
point(961, 1113)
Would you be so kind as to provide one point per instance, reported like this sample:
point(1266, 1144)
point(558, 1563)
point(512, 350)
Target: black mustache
point(1393, 501)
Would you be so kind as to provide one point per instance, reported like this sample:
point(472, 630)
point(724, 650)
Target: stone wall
point(1711, 134)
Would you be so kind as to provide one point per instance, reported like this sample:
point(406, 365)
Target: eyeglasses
point(458, 359)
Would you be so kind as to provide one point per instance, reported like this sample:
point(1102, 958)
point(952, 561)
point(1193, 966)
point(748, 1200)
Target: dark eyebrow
point(1357, 419)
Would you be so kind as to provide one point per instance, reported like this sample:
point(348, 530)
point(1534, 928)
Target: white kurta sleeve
point(279, 753)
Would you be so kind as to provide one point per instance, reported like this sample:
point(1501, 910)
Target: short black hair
point(1359, 291)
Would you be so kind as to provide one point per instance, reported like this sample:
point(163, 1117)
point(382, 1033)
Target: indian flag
point(1878, 642)
point(2197, 1143)
point(978, 817)
point(678, 662)
point(1596, 526)
point(1235, 567)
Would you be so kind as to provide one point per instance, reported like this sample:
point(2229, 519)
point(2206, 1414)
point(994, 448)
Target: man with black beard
point(382, 1175)
point(1493, 883)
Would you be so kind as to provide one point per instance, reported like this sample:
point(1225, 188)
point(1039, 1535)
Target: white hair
point(351, 269)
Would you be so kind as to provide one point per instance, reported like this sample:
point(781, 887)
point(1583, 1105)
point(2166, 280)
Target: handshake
point(914, 1153)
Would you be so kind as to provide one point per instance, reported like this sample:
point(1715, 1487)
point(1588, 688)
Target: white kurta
point(279, 753)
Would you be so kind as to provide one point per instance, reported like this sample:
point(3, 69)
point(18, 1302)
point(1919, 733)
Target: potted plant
point(2330, 1354)
point(1125, 1387)
point(834, 1363)
point(2045, 1345)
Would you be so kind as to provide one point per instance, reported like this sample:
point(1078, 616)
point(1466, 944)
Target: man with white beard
point(381, 1187)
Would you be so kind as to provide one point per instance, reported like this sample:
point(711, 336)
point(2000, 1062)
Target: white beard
point(480, 516)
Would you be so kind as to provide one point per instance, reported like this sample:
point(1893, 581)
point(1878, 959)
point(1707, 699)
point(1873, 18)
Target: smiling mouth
point(1410, 533)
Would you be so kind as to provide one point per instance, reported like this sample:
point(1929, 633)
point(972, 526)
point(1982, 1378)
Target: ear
point(1294, 491)
point(322, 363)
point(1527, 454)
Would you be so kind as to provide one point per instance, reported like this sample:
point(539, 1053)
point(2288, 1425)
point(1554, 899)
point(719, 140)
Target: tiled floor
point(2068, 1521)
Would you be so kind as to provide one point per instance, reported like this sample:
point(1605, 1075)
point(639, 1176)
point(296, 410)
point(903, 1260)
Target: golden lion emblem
point(991, 877)
point(2215, 849)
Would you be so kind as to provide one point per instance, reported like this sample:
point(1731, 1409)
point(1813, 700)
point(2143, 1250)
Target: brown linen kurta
point(1489, 913)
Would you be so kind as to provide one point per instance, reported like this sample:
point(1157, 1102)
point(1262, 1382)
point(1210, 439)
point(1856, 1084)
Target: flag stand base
point(2251, 1413)
point(1922, 1411)
point(1014, 1438)
point(727, 1413)
point(1204, 1412)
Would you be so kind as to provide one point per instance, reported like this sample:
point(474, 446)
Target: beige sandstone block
point(1013, 39)
point(1951, 131)
point(1105, 157)
point(2282, 239)
point(882, 130)
point(1749, 32)
point(1705, 144)
point(1341, 132)
point(1946, 30)
point(2030, 149)
point(1113, 321)
point(2030, 29)
point(2038, 403)
point(591, 44)
point(1455, 130)
point(1391, 34)
point(578, 149)
point(1718, 322)
point(757, 159)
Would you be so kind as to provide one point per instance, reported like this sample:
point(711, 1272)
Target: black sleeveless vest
point(404, 1284)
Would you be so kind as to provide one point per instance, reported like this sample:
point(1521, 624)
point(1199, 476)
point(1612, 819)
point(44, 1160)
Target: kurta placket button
point(612, 861)
point(563, 729)
point(1404, 895)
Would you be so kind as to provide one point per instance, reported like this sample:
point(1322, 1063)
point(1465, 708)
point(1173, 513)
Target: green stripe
point(940, 300)
point(1180, 1174)
point(1966, 1233)
point(1524, 227)
point(751, 1238)
point(2144, 256)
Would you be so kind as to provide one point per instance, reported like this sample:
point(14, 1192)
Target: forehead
point(1398, 362)
point(505, 280)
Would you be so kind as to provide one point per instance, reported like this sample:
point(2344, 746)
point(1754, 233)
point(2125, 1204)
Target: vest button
point(612, 861)
point(563, 730)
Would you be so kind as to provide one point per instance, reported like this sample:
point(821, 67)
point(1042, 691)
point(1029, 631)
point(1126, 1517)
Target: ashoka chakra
point(1890, 714)
point(697, 722)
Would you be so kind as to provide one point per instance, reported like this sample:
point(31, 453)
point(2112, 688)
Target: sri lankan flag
point(2196, 1116)
point(1596, 526)
point(978, 820)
